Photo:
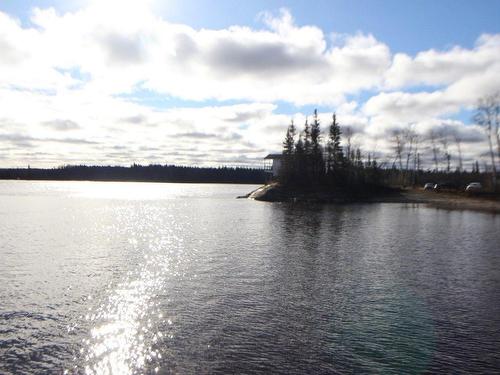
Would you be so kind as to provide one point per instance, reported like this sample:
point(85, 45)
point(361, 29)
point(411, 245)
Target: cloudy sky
point(199, 82)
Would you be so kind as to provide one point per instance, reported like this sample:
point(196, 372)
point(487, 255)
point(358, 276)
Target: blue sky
point(406, 26)
point(224, 78)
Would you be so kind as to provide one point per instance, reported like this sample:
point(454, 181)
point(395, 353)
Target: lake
point(128, 278)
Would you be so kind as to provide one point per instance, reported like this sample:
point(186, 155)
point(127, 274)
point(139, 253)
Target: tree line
point(146, 173)
point(445, 145)
point(309, 159)
point(488, 116)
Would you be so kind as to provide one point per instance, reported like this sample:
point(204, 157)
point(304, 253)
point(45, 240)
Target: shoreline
point(128, 180)
point(441, 200)
point(455, 202)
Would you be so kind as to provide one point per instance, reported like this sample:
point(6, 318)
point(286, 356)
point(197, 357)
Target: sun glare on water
point(130, 191)
point(128, 326)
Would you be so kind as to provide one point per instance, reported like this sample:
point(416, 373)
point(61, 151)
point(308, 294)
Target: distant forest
point(149, 173)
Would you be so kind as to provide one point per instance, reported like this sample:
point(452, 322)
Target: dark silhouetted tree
point(317, 163)
point(335, 154)
point(299, 146)
point(299, 161)
point(287, 168)
point(307, 138)
point(289, 142)
point(359, 161)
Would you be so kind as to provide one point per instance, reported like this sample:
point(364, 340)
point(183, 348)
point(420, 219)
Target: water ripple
point(191, 280)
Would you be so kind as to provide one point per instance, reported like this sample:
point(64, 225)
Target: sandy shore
point(449, 201)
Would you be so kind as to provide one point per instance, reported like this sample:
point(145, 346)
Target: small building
point(272, 163)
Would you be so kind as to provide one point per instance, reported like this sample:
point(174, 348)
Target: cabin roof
point(273, 156)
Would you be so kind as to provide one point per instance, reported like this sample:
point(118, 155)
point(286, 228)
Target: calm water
point(172, 278)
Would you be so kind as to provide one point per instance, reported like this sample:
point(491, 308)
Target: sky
point(199, 82)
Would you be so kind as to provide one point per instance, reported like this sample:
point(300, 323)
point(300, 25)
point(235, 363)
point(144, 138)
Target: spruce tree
point(315, 135)
point(307, 138)
point(299, 146)
point(288, 143)
point(306, 161)
point(317, 164)
point(335, 154)
point(359, 162)
point(299, 162)
point(286, 171)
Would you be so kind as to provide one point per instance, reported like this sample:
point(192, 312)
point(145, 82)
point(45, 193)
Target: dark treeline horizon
point(140, 173)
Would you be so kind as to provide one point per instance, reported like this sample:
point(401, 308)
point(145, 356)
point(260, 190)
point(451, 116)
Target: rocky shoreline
point(276, 193)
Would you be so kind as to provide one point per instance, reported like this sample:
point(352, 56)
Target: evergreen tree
point(315, 135)
point(307, 138)
point(288, 143)
point(305, 164)
point(287, 168)
point(317, 163)
point(335, 155)
point(299, 161)
point(299, 146)
point(359, 162)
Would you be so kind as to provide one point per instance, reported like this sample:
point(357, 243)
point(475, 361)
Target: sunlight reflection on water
point(118, 346)
point(127, 191)
point(124, 326)
point(94, 280)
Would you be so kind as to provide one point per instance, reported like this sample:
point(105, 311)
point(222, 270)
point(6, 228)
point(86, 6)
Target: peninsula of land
point(310, 170)
point(275, 192)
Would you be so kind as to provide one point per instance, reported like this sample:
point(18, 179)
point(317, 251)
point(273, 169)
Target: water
point(182, 278)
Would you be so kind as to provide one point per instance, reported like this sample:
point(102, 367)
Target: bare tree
point(398, 141)
point(435, 149)
point(416, 159)
point(458, 142)
point(493, 101)
point(487, 115)
point(409, 140)
point(444, 143)
point(497, 120)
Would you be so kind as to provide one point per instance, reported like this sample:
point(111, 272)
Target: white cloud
point(445, 67)
point(63, 79)
point(133, 47)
